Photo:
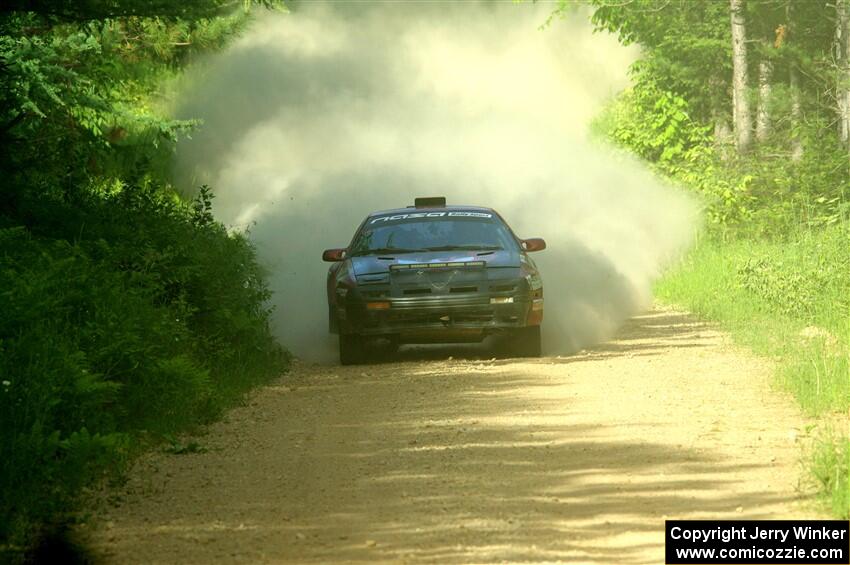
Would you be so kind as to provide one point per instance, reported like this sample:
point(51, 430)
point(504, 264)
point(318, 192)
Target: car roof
point(412, 209)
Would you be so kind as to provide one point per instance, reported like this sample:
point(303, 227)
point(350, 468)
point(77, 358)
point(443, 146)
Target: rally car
point(432, 273)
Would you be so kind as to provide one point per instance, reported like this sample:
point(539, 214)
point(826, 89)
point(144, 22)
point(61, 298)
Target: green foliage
point(830, 468)
point(774, 267)
point(678, 112)
point(77, 100)
point(809, 279)
point(687, 46)
point(127, 314)
point(658, 127)
point(85, 10)
point(177, 447)
point(765, 193)
point(152, 319)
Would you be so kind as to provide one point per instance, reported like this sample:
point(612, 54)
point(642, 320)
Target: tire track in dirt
point(574, 459)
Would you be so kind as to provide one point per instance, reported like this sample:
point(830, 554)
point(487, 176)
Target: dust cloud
point(317, 117)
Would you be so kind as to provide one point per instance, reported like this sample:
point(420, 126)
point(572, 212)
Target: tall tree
point(763, 111)
point(796, 113)
point(740, 103)
point(842, 56)
point(720, 115)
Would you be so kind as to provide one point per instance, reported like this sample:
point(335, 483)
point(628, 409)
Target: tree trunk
point(763, 113)
point(796, 114)
point(719, 104)
point(740, 104)
point(842, 50)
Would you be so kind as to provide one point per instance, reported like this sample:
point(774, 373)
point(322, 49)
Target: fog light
point(501, 300)
point(377, 305)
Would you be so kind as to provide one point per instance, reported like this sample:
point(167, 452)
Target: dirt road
point(576, 459)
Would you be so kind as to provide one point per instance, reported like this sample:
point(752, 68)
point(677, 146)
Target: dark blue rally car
point(432, 273)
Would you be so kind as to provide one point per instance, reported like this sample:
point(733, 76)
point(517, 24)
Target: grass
point(788, 300)
point(829, 466)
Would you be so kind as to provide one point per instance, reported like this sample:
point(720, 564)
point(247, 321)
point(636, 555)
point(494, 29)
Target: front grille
point(440, 303)
point(415, 291)
point(464, 289)
point(470, 318)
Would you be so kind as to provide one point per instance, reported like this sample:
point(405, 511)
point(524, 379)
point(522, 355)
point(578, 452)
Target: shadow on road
point(643, 335)
point(480, 475)
point(447, 462)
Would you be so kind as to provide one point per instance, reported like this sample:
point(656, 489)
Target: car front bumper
point(443, 318)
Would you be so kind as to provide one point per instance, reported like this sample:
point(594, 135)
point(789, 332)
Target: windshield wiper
point(465, 248)
point(381, 250)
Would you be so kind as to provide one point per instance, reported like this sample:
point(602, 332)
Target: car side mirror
point(333, 255)
point(534, 244)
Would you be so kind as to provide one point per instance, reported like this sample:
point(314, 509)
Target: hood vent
point(448, 265)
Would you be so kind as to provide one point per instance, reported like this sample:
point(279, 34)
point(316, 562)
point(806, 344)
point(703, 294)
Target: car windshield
point(436, 231)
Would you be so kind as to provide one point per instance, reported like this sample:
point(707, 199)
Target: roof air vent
point(430, 202)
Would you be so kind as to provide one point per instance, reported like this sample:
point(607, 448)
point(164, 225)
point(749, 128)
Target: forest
point(747, 104)
point(129, 314)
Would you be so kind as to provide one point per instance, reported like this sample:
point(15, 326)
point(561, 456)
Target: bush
point(124, 312)
point(830, 468)
point(807, 277)
point(764, 193)
point(122, 315)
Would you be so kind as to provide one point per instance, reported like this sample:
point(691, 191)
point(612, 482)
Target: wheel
point(350, 349)
point(385, 348)
point(526, 342)
point(393, 343)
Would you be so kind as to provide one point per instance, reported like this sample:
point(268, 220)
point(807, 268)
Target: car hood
point(371, 264)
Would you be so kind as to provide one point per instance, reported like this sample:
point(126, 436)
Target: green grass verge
point(788, 300)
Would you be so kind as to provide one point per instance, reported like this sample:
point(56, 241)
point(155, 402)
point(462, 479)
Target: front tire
point(527, 343)
point(393, 344)
point(350, 349)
